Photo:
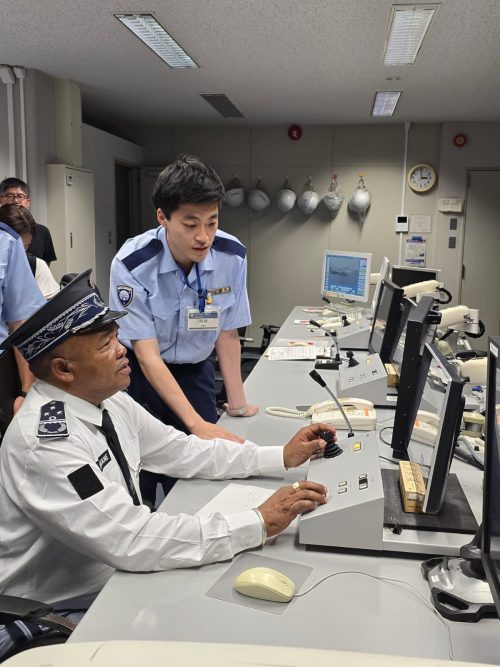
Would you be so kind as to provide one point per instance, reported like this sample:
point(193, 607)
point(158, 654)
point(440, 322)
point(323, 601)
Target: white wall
point(482, 151)
point(285, 251)
point(100, 151)
point(40, 137)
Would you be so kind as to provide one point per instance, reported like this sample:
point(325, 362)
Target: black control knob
point(331, 449)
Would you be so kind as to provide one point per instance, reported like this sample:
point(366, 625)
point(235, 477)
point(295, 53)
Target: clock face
point(421, 177)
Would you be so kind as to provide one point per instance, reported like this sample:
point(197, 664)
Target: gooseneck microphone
point(317, 378)
point(345, 321)
point(336, 362)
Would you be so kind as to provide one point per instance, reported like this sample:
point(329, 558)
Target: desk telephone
point(361, 413)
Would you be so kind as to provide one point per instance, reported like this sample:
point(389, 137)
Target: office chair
point(23, 609)
point(248, 360)
point(16, 608)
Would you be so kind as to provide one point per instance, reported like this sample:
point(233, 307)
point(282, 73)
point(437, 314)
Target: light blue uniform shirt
point(147, 282)
point(19, 293)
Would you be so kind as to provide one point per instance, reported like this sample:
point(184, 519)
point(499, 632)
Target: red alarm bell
point(459, 140)
point(294, 132)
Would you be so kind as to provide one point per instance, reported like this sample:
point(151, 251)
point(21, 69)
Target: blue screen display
point(345, 276)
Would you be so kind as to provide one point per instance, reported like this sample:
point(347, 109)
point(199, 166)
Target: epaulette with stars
point(52, 422)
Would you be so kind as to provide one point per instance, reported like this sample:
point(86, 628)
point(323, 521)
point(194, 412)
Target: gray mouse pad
point(223, 587)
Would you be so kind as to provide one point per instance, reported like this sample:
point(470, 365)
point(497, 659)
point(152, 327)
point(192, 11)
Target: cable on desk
point(380, 434)
point(396, 463)
point(398, 582)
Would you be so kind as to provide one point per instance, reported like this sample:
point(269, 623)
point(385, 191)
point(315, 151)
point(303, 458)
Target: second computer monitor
point(490, 546)
point(436, 422)
point(387, 321)
point(346, 275)
point(409, 275)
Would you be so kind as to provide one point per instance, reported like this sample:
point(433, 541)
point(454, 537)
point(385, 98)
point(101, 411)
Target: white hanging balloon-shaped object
point(235, 193)
point(360, 200)
point(334, 196)
point(285, 197)
point(308, 199)
point(258, 199)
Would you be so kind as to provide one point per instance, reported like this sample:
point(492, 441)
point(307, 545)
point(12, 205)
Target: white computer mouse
point(265, 583)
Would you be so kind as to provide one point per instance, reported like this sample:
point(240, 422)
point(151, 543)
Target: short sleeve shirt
point(147, 282)
point(19, 293)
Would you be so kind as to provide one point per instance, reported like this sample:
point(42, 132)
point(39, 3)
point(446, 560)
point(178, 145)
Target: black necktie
point(114, 444)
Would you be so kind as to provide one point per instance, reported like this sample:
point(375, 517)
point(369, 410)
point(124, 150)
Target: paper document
point(236, 498)
point(293, 353)
point(318, 340)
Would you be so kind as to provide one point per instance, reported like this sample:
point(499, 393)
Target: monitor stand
point(455, 515)
point(458, 586)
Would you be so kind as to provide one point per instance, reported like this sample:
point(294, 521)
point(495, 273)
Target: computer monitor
point(490, 544)
point(346, 275)
point(419, 328)
point(387, 321)
point(408, 275)
point(436, 423)
point(384, 274)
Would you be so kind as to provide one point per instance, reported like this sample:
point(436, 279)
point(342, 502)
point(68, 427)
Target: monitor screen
point(490, 546)
point(346, 275)
point(406, 358)
point(384, 274)
point(387, 321)
point(436, 422)
point(408, 275)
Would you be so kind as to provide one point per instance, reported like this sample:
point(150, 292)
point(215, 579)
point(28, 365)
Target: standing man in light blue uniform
point(19, 296)
point(183, 285)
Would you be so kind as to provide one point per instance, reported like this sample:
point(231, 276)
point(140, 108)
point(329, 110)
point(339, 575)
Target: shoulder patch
point(52, 422)
point(85, 482)
point(9, 230)
point(125, 294)
point(230, 246)
point(142, 255)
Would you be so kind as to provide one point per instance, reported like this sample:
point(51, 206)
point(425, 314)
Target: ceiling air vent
point(222, 104)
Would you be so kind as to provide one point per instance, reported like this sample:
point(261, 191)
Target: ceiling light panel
point(409, 25)
point(385, 102)
point(147, 28)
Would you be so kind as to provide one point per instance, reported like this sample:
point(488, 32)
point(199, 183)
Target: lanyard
point(202, 293)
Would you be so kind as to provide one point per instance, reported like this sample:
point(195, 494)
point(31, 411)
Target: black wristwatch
point(21, 394)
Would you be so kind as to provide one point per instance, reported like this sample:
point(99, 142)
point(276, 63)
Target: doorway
point(127, 203)
point(481, 263)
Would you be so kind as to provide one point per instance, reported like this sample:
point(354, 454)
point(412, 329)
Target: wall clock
point(421, 177)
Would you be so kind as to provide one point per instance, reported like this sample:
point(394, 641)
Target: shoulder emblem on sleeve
point(52, 422)
point(125, 294)
point(229, 246)
point(85, 482)
point(142, 255)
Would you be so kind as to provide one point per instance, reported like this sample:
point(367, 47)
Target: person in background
point(15, 191)
point(21, 221)
point(69, 465)
point(19, 298)
point(183, 285)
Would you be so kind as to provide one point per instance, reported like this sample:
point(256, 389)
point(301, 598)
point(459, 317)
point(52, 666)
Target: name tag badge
point(207, 321)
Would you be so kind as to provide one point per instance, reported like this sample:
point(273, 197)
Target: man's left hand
point(304, 444)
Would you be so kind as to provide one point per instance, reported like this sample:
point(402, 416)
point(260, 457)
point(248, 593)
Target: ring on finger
point(296, 487)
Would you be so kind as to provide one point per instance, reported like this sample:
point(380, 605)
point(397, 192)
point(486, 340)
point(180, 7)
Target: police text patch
point(104, 459)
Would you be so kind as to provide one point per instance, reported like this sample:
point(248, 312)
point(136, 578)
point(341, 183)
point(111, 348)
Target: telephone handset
point(360, 413)
point(425, 429)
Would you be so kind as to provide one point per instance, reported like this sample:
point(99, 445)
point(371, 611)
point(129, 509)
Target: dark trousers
point(197, 381)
